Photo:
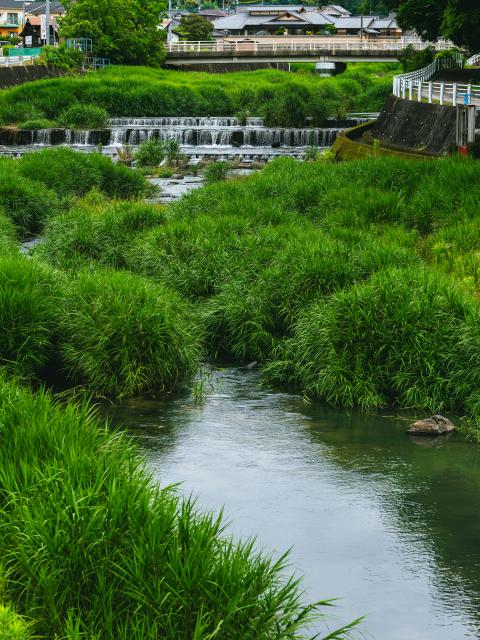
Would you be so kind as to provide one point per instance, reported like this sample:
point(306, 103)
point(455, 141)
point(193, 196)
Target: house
point(372, 26)
point(297, 20)
point(335, 10)
point(11, 18)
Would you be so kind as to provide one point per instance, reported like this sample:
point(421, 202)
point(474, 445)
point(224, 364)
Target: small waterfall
point(176, 122)
point(197, 136)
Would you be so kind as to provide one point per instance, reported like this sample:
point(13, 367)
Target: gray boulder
point(433, 426)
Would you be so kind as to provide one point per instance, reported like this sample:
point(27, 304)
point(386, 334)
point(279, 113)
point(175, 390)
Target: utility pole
point(47, 22)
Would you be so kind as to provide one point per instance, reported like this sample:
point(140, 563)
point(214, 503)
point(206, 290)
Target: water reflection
point(390, 527)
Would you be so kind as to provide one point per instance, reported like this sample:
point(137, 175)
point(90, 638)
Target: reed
point(390, 340)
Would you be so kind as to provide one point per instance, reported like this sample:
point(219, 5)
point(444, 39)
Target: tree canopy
point(195, 27)
point(457, 20)
point(124, 30)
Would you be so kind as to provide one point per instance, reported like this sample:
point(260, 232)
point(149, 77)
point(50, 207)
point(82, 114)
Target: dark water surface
point(388, 525)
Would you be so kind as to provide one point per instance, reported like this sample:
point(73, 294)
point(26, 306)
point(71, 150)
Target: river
point(388, 525)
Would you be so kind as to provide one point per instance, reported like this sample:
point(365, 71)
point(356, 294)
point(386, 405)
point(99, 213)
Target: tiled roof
point(354, 22)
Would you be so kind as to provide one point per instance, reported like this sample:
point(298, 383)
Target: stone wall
point(12, 76)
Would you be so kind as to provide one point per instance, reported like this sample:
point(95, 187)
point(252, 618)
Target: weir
point(199, 137)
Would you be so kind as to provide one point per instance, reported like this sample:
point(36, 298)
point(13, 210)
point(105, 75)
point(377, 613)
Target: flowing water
point(387, 524)
point(199, 138)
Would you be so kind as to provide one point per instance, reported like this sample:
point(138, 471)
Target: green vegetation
point(133, 560)
point(125, 31)
point(84, 116)
point(123, 336)
point(195, 27)
point(60, 176)
point(29, 302)
point(354, 283)
point(216, 171)
point(150, 153)
point(62, 57)
point(284, 99)
point(456, 20)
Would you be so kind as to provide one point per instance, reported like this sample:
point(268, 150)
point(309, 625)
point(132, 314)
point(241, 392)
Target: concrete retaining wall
point(416, 126)
point(12, 76)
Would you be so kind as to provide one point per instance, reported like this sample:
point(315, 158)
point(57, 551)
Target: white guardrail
point(330, 44)
point(16, 61)
point(418, 85)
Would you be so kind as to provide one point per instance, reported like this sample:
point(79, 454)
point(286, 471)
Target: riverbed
point(387, 524)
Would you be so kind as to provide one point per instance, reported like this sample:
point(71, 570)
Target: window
point(12, 18)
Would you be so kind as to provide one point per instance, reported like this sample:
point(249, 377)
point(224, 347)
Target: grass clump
point(70, 173)
point(29, 316)
point(28, 203)
point(101, 235)
point(7, 235)
point(84, 116)
point(134, 560)
point(217, 171)
point(123, 336)
point(390, 340)
point(150, 153)
point(12, 626)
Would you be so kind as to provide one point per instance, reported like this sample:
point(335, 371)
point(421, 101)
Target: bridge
point(334, 49)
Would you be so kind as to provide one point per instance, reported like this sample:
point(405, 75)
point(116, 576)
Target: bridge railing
point(331, 44)
point(418, 85)
point(473, 61)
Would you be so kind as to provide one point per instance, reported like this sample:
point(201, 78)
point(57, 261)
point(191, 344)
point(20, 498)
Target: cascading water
point(199, 137)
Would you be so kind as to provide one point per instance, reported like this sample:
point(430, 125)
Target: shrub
point(133, 560)
point(62, 57)
point(150, 153)
point(125, 336)
point(29, 299)
point(84, 116)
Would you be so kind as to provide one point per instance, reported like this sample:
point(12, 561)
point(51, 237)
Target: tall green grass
point(29, 303)
point(123, 336)
point(70, 173)
point(92, 548)
point(7, 235)
point(140, 91)
point(390, 340)
point(270, 260)
point(25, 200)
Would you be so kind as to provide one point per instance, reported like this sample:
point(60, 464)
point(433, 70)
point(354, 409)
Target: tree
point(195, 27)
point(457, 20)
point(124, 30)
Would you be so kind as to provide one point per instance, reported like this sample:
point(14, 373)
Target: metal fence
point(418, 85)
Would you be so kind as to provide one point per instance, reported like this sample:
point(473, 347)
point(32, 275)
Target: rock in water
point(433, 426)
